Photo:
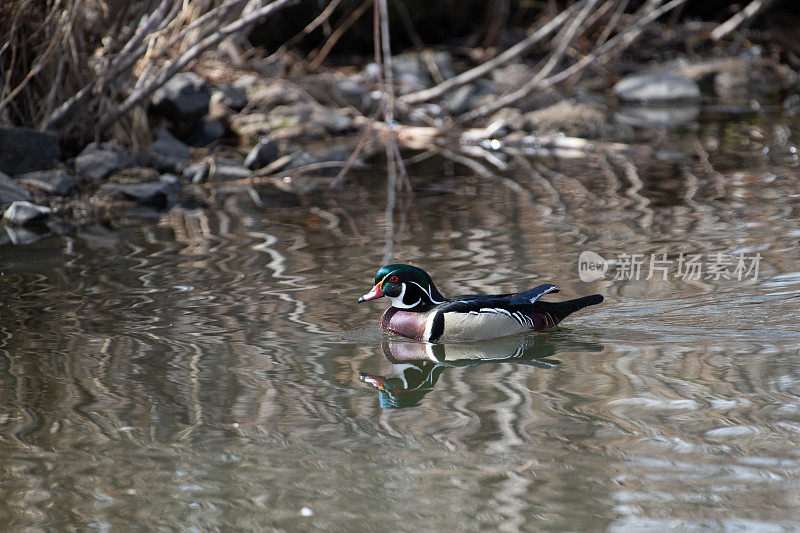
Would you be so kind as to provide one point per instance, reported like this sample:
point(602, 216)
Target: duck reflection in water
point(416, 366)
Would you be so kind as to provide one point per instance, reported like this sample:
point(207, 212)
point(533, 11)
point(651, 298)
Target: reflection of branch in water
point(718, 179)
point(484, 172)
point(577, 189)
point(642, 203)
point(611, 196)
point(416, 366)
point(555, 204)
point(388, 214)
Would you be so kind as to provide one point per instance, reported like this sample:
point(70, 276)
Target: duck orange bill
point(376, 292)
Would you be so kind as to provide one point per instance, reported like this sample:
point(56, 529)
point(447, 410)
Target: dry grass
point(83, 67)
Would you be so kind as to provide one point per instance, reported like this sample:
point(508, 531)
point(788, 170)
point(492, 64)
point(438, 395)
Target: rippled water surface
point(212, 370)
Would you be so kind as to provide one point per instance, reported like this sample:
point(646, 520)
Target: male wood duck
point(419, 311)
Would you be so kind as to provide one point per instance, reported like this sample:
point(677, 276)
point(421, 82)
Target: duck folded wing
point(531, 295)
point(493, 316)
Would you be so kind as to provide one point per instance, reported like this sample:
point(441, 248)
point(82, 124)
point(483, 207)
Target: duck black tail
point(558, 311)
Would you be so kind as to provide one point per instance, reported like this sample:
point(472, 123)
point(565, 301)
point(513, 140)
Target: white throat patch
point(397, 301)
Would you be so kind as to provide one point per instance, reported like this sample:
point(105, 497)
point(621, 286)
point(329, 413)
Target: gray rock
point(304, 158)
point(333, 122)
point(207, 132)
point(183, 98)
point(327, 154)
point(262, 154)
point(231, 96)
point(24, 213)
point(417, 64)
point(413, 70)
point(171, 180)
point(160, 194)
point(26, 150)
point(10, 191)
point(98, 160)
point(423, 114)
point(409, 83)
point(354, 89)
point(657, 86)
point(56, 181)
point(460, 101)
point(653, 117)
point(168, 153)
point(167, 145)
point(466, 97)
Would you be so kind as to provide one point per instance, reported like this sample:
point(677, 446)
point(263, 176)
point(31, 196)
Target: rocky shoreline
point(239, 127)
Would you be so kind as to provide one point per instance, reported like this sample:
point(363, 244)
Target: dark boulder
point(262, 154)
point(25, 150)
point(206, 132)
point(184, 98)
point(230, 96)
point(167, 145)
point(98, 160)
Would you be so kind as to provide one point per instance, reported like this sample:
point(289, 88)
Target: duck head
point(407, 286)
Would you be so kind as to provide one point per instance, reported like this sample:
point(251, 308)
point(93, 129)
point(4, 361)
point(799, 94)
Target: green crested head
point(408, 287)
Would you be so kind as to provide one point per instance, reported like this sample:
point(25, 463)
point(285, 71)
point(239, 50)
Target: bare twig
point(337, 34)
point(645, 16)
point(362, 141)
point(185, 58)
point(127, 56)
point(387, 75)
point(612, 23)
point(555, 57)
point(311, 26)
point(486, 67)
point(601, 54)
point(497, 15)
point(750, 11)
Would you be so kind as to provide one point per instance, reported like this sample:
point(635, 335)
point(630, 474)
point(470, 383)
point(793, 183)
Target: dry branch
point(54, 76)
point(748, 13)
point(188, 56)
point(602, 54)
point(424, 137)
point(481, 70)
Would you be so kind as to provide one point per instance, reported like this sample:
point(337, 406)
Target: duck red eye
point(394, 279)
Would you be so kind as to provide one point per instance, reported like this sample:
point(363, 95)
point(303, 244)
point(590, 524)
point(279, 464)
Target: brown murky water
point(203, 371)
